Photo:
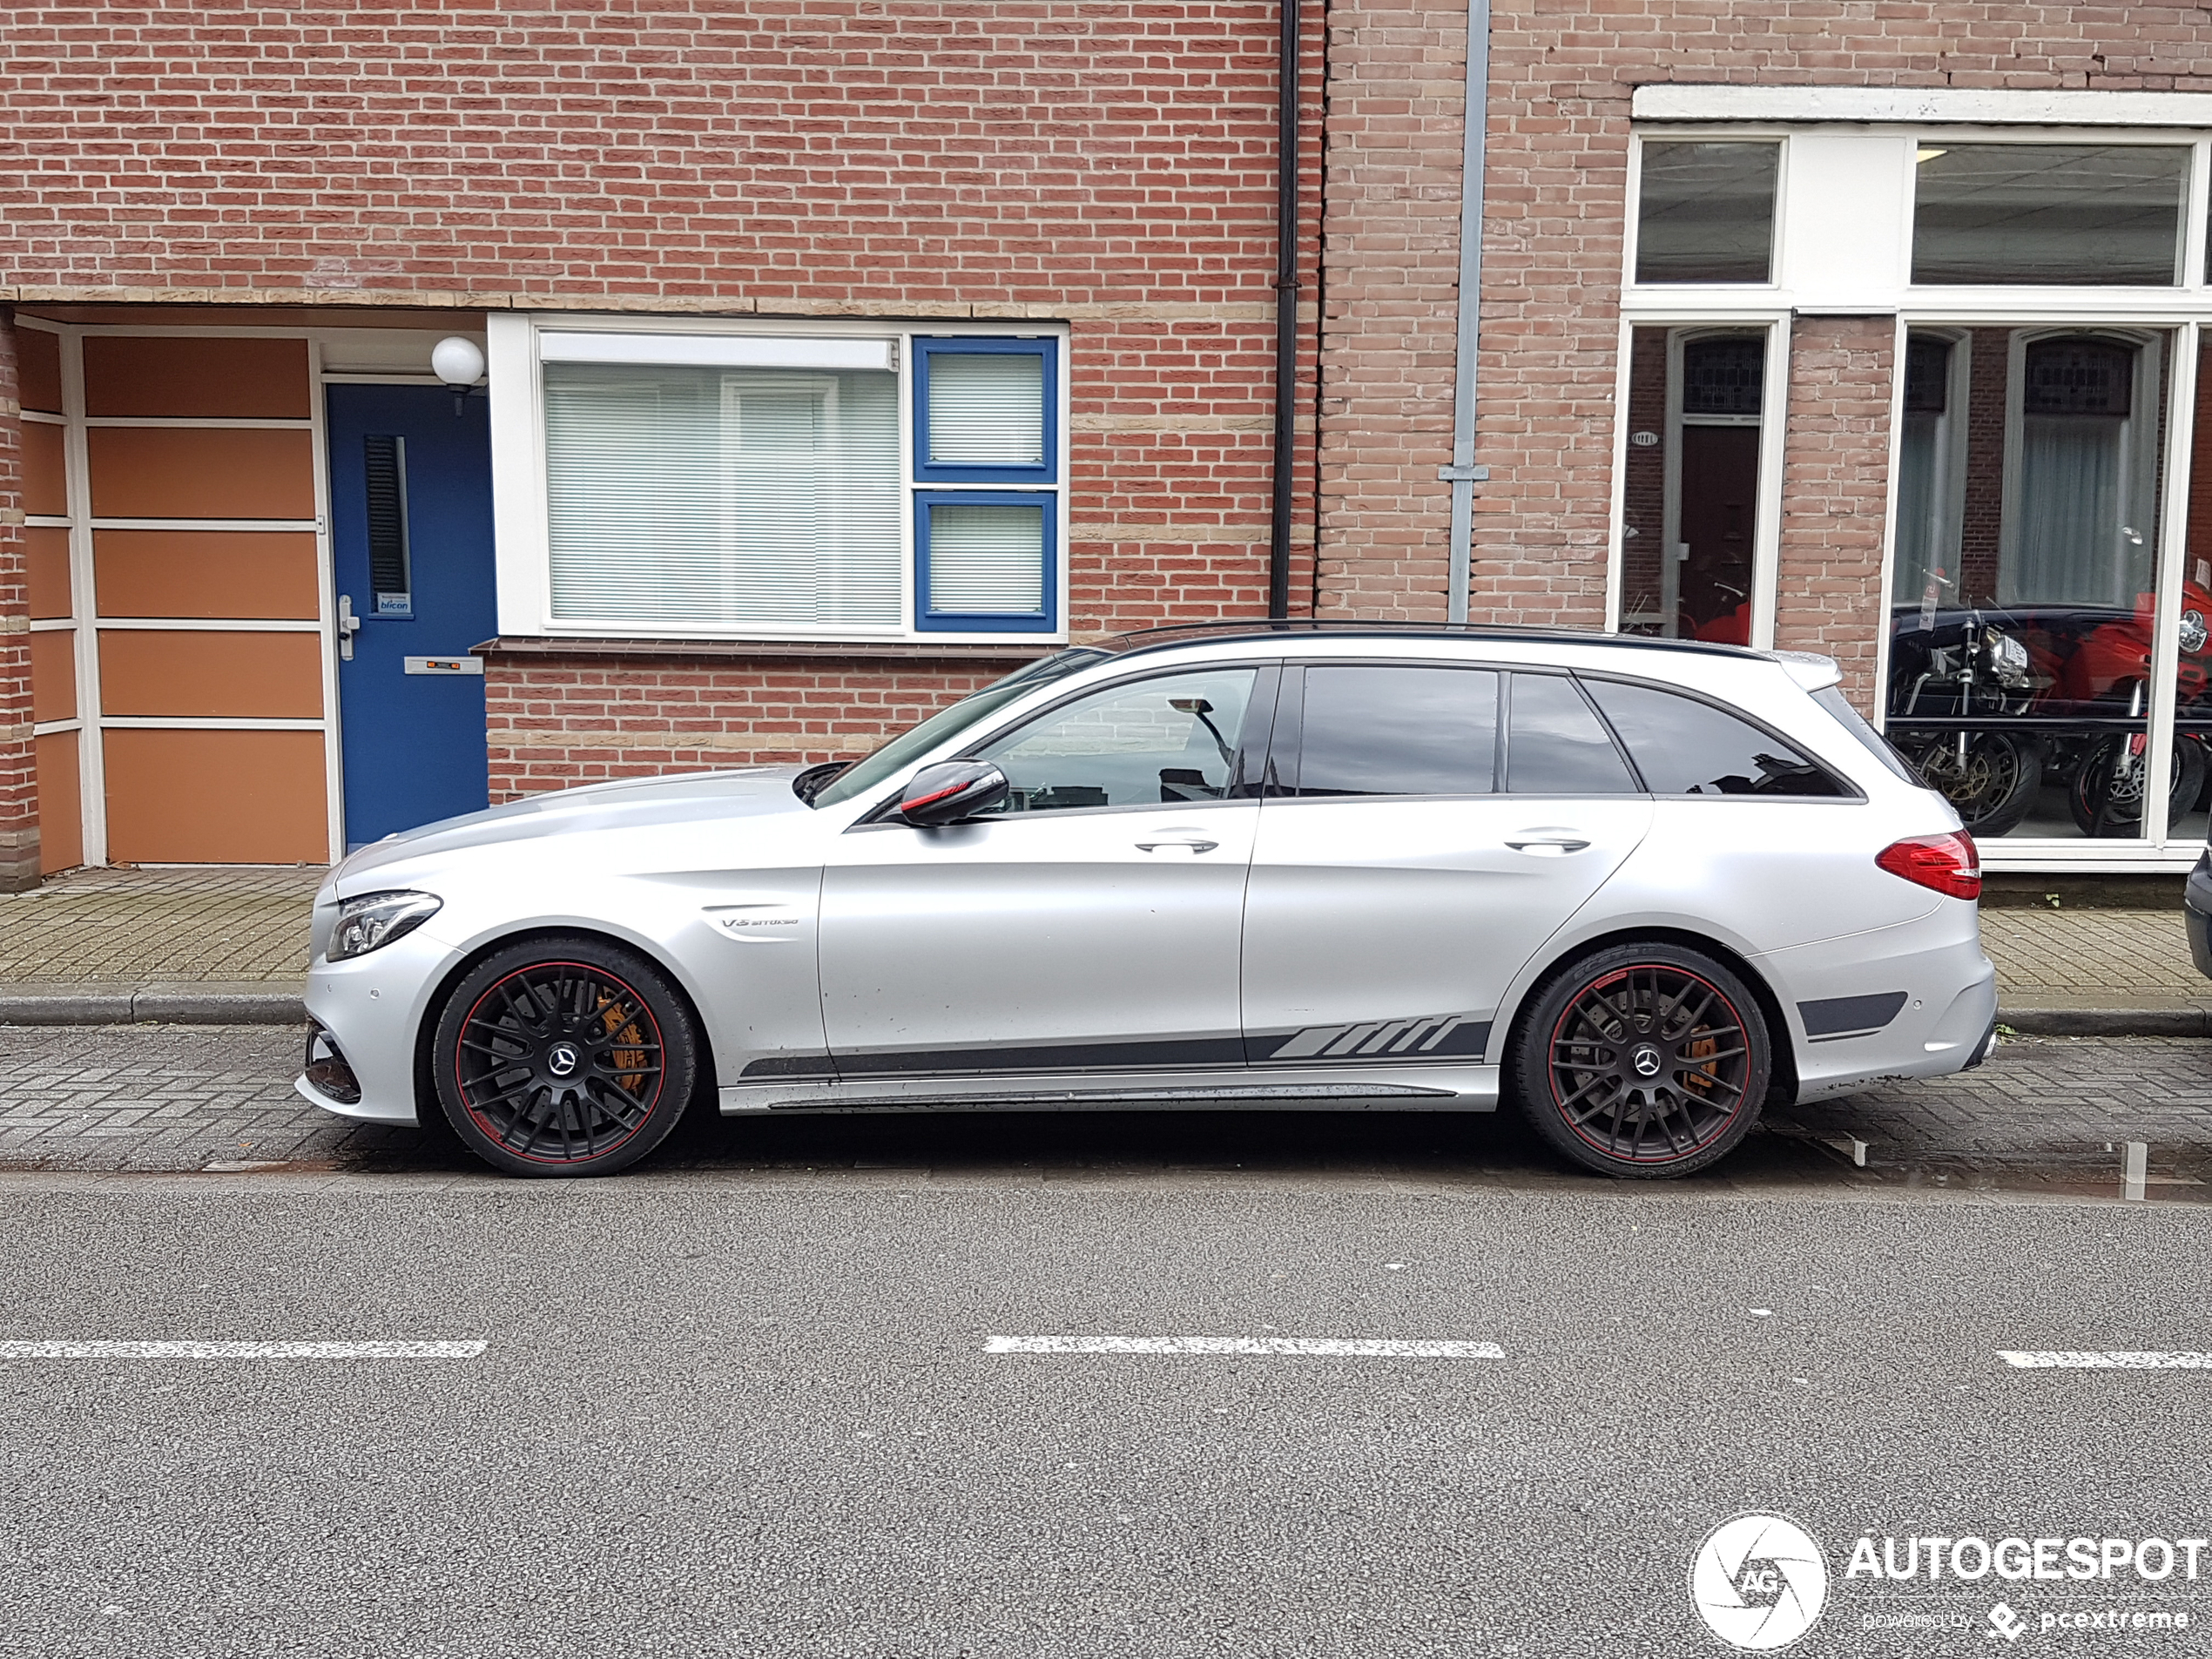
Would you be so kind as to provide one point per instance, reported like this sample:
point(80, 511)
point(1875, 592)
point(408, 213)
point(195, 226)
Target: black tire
point(564, 1056)
point(1580, 1051)
point(1993, 787)
point(2106, 798)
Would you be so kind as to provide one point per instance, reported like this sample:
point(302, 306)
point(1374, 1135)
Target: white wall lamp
point(458, 363)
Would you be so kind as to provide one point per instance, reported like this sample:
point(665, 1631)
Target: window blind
point(986, 409)
point(986, 559)
point(765, 498)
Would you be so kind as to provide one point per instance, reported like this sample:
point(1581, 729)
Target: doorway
point(411, 544)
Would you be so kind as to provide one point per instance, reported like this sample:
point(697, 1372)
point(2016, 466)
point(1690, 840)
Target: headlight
point(2193, 632)
point(2009, 659)
point(376, 919)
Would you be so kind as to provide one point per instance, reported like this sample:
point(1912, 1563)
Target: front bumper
point(371, 1010)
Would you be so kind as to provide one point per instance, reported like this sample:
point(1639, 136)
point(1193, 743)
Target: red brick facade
point(1108, 167)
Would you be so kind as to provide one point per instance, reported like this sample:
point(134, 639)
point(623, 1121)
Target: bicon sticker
point(1758, 1582)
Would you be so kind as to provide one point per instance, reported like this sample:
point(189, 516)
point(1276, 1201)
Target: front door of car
point(1427, 828)
point(1092, 923)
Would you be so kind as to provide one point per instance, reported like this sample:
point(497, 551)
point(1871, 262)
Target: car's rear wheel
point(1643, 1060)
point(564, 1056)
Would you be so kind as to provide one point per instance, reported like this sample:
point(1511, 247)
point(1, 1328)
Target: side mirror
point(951, 791)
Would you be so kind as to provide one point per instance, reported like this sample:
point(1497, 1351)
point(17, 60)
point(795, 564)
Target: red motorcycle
point(2108, 668)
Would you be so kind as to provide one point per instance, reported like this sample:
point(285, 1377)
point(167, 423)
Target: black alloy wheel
point(1643, 1060)
point(564, 1056)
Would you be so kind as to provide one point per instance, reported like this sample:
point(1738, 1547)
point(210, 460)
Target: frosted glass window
point(986, 409)
point(987, 559)
point(2097, 215)
point(747, 498)
point(1707, 213)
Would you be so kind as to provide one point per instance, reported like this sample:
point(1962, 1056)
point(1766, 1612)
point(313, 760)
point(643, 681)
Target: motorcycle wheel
point(1993, 786)
point(2107, 798)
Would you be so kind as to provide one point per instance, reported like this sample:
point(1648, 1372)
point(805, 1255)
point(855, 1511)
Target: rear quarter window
point(1684, 746)
point(1832, 698)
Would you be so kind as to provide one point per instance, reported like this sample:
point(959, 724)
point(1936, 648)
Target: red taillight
point(1947, 863)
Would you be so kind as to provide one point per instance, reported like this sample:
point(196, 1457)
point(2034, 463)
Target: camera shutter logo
point(1758, 1582)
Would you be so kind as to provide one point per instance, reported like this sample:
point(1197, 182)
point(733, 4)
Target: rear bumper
point(2196, 913)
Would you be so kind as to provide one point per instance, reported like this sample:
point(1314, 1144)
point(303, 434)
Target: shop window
point(1690, 536)
point(2024, 591)
point(2094, 215)
point(1706, 212)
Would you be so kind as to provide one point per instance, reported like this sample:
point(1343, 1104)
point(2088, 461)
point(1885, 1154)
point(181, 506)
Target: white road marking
point(242, 1349)
point(2106, 1360)
point(1325, 1347)
point(2135, 1164)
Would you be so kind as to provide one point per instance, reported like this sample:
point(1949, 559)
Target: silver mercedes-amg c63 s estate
point(1641, 887)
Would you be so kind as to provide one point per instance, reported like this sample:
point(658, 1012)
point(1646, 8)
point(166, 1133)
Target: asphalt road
point(752, 1411)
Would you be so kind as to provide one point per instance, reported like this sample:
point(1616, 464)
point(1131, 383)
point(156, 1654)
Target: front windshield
point(864, 775)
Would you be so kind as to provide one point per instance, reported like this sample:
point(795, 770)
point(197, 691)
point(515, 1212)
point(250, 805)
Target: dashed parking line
point(242, 1349)
point(1325, 1347)
point(2105, 1359)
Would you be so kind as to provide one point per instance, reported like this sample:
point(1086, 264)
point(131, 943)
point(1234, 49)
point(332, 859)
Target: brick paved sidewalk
point(247, 926)
point(237, 923)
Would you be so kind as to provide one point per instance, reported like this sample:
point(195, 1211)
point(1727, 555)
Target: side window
point(1168, 740)
point(1398, 730)
point(1555, 745)
point(1685, 747)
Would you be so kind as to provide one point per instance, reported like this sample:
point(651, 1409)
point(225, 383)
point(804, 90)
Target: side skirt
point(1306, 1087)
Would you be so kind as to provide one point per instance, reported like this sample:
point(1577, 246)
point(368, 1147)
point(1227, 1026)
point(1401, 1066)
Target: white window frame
point(1866, 214)
point(520, 503)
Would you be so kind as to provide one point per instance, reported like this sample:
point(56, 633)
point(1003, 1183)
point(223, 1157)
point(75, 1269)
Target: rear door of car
point(1426, 828)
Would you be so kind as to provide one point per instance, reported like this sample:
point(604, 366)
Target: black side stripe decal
point(1431, 1036)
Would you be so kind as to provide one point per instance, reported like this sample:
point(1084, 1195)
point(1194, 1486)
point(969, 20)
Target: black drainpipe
point(1279, 527)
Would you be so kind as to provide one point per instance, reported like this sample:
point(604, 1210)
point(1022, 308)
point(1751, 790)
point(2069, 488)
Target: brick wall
point(1562, 80)
point(557, 722)
point(1088, 162)
point(18, 769)
point(1835, 487)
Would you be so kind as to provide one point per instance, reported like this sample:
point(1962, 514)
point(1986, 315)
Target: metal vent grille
point(384, 466)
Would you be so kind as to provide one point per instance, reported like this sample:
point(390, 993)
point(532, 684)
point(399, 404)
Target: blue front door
point(410, 501)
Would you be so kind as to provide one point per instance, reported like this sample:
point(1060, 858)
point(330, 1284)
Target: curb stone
point(162, 1002)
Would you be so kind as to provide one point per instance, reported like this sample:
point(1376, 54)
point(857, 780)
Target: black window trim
point(1259, 719)
point(1851, 793)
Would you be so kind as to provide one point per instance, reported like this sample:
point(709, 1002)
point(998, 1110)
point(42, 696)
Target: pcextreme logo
point(1758, 1582)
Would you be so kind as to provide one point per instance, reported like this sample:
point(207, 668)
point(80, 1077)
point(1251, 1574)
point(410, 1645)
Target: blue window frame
point(987, 561)
point(985, 426)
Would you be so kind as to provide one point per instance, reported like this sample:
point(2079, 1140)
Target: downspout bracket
point(1463, 475)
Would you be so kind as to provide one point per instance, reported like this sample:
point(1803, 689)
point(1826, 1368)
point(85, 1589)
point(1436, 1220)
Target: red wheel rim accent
point(559, 1062)
point(1649, 1065)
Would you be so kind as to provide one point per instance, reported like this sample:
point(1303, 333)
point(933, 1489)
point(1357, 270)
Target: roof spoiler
point(1810, 669)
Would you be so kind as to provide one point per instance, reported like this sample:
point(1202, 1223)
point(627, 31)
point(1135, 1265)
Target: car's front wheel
point(1643, 1060)
point(564, 1056)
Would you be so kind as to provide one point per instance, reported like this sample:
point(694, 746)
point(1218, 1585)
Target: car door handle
point(1530, 840)
point(1195, 846)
